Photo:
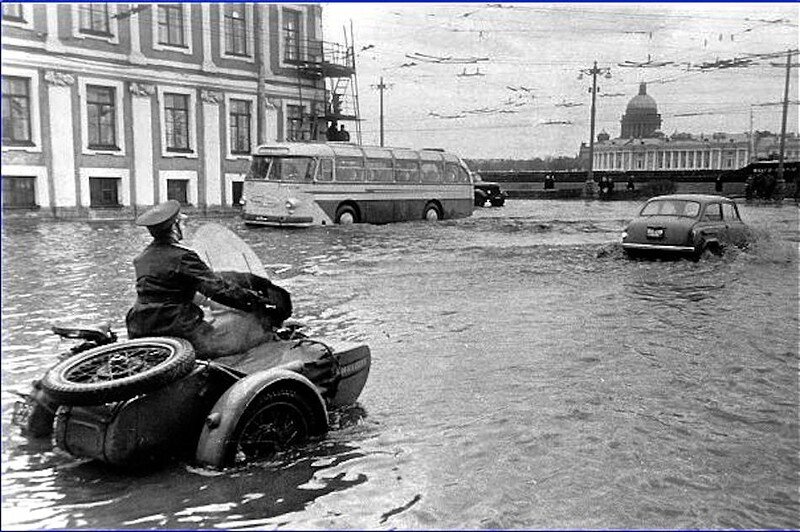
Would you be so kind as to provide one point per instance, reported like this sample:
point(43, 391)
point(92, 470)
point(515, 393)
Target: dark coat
point(167, 277)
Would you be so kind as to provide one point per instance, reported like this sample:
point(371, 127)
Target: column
point(53, 44)
point(137, 56)
point(271, 120)
point(212, 147)
point(62, 147)
point(142, 111)
point(206, 32)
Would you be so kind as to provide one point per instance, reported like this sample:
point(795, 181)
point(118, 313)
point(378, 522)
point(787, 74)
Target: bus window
point(406, 171)
point(349, 169)
point(462, 176)
point(380, 170)
point(431, 172)
point(451, 173)
point(258, 168)
point(325, 170)
point(282, 168)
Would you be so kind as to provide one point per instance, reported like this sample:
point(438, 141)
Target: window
point(406, 171)
point(237, 187)
point(713, 212)
point(178, 189)
point(19, 192)
point(235, 29)
point(349, 169)
point(176, 122)
point(94, 19)
point(171, 31)
point(380, 170)
point(13, 12)
point(101, 117)
point(325, 170)
point(240, 126)
point(104, 192)
point(291, 35)
point(431, 172)
point(17, 111)
point(296, 127)
point(729, 212)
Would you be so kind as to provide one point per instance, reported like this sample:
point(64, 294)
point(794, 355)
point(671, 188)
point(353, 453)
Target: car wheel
point(276, 421)
point(118, 371)
point(431, 212)
point(346, 215)
point(631, 253)
point(498, 202)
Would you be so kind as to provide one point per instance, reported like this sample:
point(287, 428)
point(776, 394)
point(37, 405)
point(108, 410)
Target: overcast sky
point(484, 79)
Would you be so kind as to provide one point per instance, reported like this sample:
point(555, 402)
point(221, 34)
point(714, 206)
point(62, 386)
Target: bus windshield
point(282, 168)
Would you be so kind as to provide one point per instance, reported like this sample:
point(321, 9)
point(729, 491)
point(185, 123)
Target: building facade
point(109, 108)
point(642, 146)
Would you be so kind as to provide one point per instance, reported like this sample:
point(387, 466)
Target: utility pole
point(594, 71)
point(381, 87)
point(781, 182)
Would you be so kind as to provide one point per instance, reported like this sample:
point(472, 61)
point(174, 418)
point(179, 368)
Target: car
point(488, 191)
point(685, 225)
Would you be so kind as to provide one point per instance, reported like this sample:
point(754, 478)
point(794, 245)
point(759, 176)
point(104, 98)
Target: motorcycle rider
point(168, 277)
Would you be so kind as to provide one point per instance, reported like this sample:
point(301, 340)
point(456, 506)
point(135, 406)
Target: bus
point(321, 183)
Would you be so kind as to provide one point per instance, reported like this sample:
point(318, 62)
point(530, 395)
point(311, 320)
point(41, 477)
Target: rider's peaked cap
point(162, 214)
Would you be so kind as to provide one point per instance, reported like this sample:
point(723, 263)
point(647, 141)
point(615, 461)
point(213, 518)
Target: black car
point(486, 191)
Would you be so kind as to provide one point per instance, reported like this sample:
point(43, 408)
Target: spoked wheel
point(119, 371)
point(275, 422)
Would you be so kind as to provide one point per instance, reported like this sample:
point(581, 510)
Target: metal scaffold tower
point(332, 64)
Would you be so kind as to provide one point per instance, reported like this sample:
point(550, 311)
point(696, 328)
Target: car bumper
point(278, 221)
point(658, 247)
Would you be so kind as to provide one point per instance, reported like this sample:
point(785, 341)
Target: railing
point(320, 53)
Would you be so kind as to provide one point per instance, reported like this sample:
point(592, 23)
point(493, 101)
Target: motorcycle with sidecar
point(137, 401)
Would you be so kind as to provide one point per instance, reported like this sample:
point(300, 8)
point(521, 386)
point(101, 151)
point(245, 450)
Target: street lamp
point(594, 71)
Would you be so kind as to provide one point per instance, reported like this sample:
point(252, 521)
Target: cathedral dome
point(642, 102)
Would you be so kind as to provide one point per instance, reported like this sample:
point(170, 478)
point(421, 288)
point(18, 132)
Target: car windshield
point(671, 207)
point(282, 168)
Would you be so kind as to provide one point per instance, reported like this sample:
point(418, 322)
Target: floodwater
point(525, 374)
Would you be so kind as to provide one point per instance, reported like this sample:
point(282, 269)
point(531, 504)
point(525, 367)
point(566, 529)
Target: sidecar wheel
point(276, 421)
point(119, 371)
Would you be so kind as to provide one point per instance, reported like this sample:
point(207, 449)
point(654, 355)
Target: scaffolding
point(334, 65)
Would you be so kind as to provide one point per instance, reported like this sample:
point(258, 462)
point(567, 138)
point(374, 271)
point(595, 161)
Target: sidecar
point(144, 400)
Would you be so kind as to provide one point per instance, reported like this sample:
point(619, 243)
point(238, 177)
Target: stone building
point(642, 146)
point(108, 108)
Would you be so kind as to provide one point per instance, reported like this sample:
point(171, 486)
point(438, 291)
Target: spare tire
point(119, 371)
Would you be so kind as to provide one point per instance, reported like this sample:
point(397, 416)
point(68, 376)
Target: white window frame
point(253, 99)
point(118, 116)
point(113, 25)
point(250, 37)
point(124, 190)
point(27, 14)
point(187, 26)
point(39, 172)
point(303, 33)
point(36, 133)
point(188, 175)
point(162, 90)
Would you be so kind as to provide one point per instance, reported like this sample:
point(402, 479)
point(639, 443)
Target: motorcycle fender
point(224, 416)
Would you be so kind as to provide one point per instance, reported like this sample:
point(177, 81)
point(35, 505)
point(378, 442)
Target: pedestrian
point(344, 135)
point(332, 133)
point(630, 185)
point(169, 274)
point(718, 183)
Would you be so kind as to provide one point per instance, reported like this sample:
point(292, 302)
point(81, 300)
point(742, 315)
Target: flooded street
point(524, 374)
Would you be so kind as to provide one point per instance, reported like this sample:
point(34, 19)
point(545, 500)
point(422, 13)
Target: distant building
point(642, 146)
point(641, 118)
point(110, 107)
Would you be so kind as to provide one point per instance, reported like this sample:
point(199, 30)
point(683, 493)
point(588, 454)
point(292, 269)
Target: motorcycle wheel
point(118, 371)
point(274, 422)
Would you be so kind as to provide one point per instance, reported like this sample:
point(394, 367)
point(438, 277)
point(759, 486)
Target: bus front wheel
point(346, 215)
point(431, 212)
